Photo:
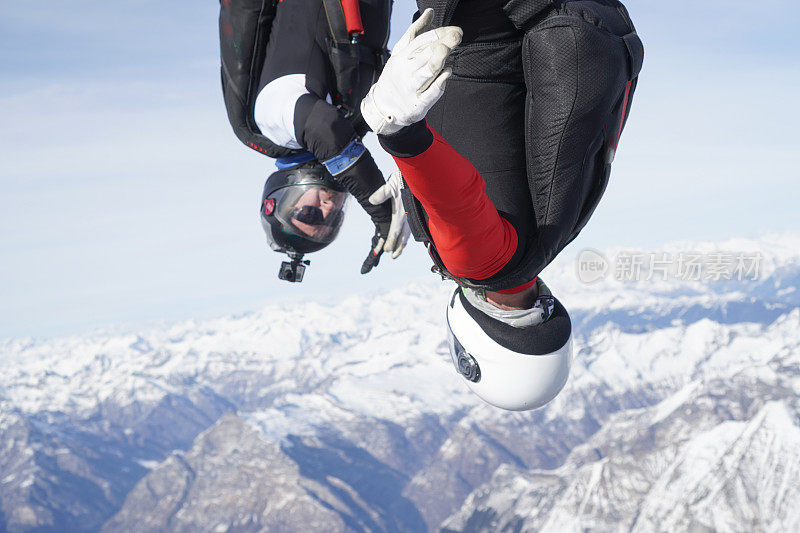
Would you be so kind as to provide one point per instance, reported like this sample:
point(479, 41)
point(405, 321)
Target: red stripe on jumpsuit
point(471, 237)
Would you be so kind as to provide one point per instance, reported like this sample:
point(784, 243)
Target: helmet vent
point(468, 367)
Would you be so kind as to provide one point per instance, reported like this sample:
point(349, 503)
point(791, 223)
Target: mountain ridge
point(368, 428)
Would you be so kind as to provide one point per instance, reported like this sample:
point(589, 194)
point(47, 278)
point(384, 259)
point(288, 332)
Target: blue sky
point(127, 199)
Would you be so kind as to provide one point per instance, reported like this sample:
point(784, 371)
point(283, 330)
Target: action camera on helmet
point(302, 210)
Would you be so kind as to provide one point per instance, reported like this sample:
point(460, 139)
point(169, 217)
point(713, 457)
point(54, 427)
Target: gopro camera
point(294, 270)
point(291, 272)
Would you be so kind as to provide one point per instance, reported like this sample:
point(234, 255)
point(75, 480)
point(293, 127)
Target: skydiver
point(320, 59)
point(503, 118)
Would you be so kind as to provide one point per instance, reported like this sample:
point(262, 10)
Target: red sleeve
point(473, 240)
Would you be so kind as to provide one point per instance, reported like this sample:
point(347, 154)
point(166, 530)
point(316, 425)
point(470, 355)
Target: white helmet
point(516, 367)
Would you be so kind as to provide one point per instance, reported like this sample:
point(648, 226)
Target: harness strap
point(347, 54)
point(337, 20)
point(373, 58)
point(522, 12)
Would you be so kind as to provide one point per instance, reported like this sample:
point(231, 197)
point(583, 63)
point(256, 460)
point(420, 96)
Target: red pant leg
point(472, 239)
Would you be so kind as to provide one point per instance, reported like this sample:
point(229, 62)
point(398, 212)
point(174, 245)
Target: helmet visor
point(311, 211)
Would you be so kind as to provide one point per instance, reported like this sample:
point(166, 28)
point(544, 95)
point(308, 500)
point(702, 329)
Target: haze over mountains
point(681, 413)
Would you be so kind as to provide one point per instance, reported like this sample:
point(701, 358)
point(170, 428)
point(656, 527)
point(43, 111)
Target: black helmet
point(302, 209)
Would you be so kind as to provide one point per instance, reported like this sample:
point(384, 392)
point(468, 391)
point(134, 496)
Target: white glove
point(413, 79)
point(398, 230)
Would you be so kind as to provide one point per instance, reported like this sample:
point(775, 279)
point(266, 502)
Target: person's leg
point(483, 121)
point(537, 117)
point(482, 116)
point(471, 237)
point(524, 299)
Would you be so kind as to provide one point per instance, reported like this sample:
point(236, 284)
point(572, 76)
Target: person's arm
point(471, 237)
point(325, 132)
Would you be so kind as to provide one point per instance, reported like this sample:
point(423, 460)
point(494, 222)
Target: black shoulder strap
point(337, 24)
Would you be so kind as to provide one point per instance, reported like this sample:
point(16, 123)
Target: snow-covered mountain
point(681, 413)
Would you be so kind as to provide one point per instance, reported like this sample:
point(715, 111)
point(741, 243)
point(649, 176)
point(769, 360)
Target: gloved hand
point(376, 250)
point(413, 79)
point(390, 237)
point(398, 232)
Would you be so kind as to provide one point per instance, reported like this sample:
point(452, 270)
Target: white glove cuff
point(379, 122)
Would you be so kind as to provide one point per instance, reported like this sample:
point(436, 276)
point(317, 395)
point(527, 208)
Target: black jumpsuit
point(533, 111)
point(298, 87)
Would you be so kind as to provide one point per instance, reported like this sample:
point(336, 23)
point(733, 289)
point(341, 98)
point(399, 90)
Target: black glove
point(325, 133)
point(363, 179)
point(376, 250)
